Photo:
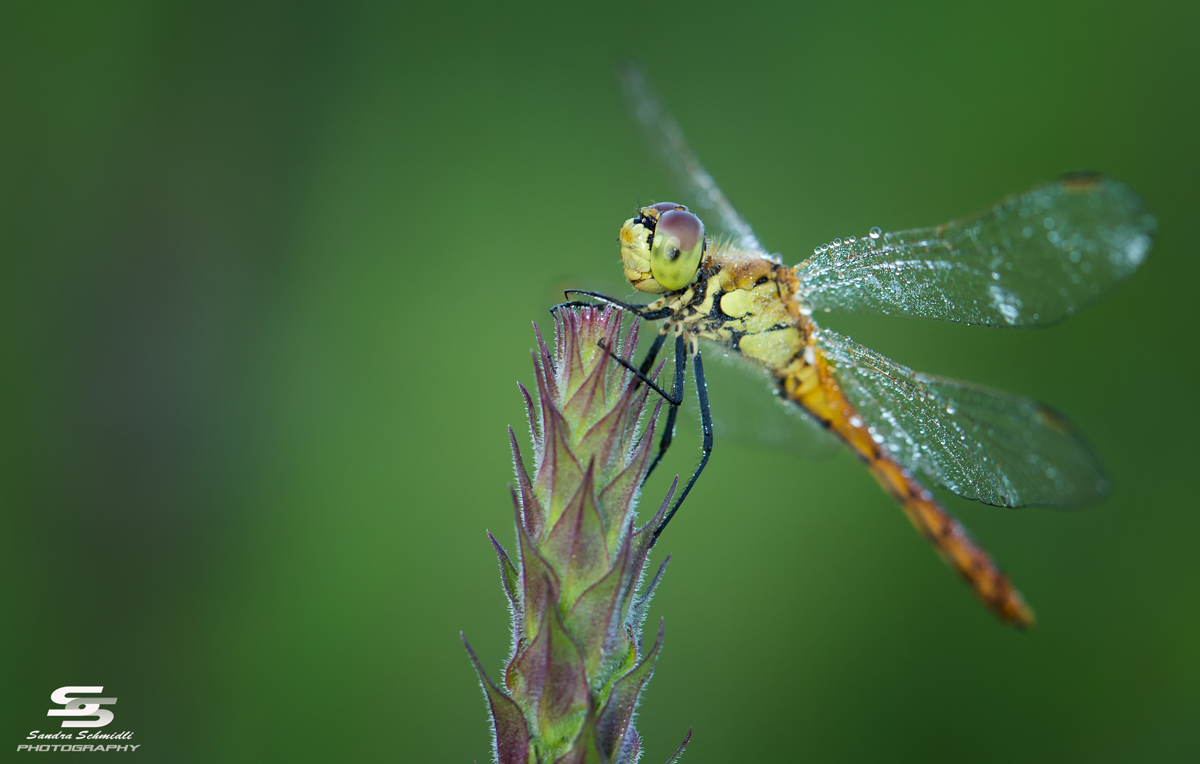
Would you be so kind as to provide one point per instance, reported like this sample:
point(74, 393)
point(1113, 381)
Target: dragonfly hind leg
point(705, 424)
point(676, 399)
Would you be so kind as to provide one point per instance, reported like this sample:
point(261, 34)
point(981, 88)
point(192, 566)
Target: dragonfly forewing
point(1032, 259)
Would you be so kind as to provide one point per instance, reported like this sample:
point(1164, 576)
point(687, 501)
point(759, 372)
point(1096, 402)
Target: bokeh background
point(267, 274)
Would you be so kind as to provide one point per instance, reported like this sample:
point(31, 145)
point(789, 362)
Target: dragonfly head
point(662, 248)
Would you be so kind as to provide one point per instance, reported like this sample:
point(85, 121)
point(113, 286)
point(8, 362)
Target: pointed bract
point(679, 751)
point(603, 442)
point(618, 496)
point(596, 612)
point(554, 680)
point(575, 546)
point(510, 732)
point(508, 575)
point(539, 584)
point(614, 721)
point(544, 361)
point(643, 538)
point(637, 611)
point(532, 514)
point(535, 422)
point(560, 472)
point(588, 398)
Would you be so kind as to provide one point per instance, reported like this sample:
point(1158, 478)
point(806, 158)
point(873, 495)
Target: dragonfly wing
point(1032, 259)
point(664, 132)
point(982, 444)
point(747, 410)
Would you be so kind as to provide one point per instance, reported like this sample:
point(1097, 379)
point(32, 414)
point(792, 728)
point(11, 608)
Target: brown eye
point(667, 206)
point(677, 249)
point(681, 225)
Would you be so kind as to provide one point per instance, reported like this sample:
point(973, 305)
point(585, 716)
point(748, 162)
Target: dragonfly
point(1030, 260)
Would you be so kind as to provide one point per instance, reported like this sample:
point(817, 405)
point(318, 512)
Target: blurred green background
point(267, 280)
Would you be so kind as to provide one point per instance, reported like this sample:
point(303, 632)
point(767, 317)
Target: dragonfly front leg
point(638, 310)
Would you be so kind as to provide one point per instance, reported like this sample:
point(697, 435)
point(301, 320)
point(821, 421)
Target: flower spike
point(578, 667)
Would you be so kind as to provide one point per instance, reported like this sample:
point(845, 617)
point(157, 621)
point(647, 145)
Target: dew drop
point(1136, 250)
point(817, 250)
point(856, 421)
point(837, 242)
point(950, 409)
point(852, 239)
point(875, 232)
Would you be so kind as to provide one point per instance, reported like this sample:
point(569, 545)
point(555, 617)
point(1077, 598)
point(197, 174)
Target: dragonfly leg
point(652, 353)
point(637, 310)
point(572, 304)
point(669, 429)
point(674, 400)
point(706, 425)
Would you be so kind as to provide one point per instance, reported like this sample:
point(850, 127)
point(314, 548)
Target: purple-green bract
point(578, 663)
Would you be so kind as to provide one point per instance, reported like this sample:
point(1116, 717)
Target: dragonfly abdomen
point(808, 383)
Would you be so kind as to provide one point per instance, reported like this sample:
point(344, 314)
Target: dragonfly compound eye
point(677, 248)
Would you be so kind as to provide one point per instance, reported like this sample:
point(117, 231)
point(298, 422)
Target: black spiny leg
point(674, 399)
point(706, 424)
point(652, 353)
point(641, 375)
point(637, 310)
point(669, 429)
